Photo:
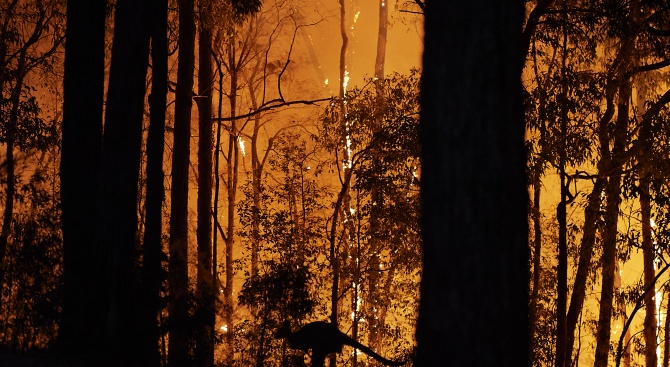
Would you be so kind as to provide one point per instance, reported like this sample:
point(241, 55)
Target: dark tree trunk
point(666, 331)
point(474, 288)
point(231, 197)
point(11, 123)
point(611, 218)
point(537, 257)
point(83, 89)
point(256, 183)
point(648, 255)
point(591, 213)
point(118, 185)
point(562, 218)
point(375, 309)
point(178, 266)
point(205, 292)
point(334, 249)
point(153, 231)
point(381, 39)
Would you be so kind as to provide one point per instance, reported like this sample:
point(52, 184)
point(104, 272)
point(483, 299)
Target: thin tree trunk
point(256, 182)
point(3, 64)
point(561, 216)
point(217, 176)
point(334, 254)
point(153, 232)
point(383, 310)
point(621, 309)
point(178, 267)
point(537, 260)
point(80, 332)
point(591, 213)
point(381, 39)
point(231, 174)
point(648, 254)
point(666, 331)
point(612, 192)
point(14, 100)
point(375, 323)
point(611, 217)
point(205, 293)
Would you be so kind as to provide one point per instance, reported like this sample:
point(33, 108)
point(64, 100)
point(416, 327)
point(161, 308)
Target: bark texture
point(473, 187)
point(179, 327)
point(152, 250)
point(117, 225)
point(205, 291)
point(83, 90)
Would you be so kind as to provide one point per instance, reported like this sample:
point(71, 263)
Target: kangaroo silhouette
point(323, 338)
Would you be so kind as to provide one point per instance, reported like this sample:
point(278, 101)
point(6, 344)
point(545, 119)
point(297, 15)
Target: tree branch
point(271, 105)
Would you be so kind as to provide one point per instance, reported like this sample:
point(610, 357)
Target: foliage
point(291, 199)
point(31, 291)
point(376, 128)
point(286, 287)
point(243, 8)
point(283, 292)
point(33, 131)
point(582, 55)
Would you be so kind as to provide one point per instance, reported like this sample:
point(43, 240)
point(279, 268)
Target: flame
point(241, 143)
point(345, 81)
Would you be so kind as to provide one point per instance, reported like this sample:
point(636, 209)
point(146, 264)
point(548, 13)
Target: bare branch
point(271, 105)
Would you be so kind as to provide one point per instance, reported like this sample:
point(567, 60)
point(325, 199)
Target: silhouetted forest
point(179, 179)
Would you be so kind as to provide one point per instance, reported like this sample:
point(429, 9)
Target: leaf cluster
point(32, 130)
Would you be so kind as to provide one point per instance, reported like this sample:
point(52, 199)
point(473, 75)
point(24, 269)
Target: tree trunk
point(257, 189)
point(11, 123)
point(612, 193)
point(648, 254)
point(80, 332)
point(334, 254)
point(231, 191)
point(611, 217)
point(257, 164)
point(537, 261)
point(591, 213)
point(381, 39)
point(118, 185)
point(666, 332)
point(473, 187)
point(374, 308)
point(178, 267)
point(217, 177)
point(561, 216)
point(205, 294)
point(621, 309)
point(153, 231)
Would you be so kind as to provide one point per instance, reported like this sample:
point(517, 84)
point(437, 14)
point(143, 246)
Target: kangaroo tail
point(371, 353)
